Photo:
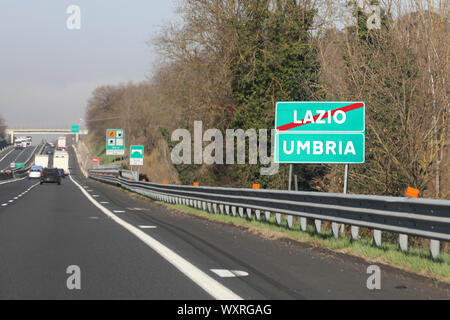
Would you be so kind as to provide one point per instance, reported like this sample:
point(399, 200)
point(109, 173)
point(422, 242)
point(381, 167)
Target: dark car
point(50, 175)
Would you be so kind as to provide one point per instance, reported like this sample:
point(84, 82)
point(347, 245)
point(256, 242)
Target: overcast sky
point(47, 72)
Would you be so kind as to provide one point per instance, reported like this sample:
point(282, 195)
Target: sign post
point(115, 142)
point(137, 157)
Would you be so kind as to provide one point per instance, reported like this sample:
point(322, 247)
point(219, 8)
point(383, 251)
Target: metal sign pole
point(290, 176)
point(346, 179)
point(345, 191)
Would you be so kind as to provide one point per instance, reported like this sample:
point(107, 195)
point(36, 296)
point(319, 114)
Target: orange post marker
point(143, 180)
point(413, 193)
point(164, 182)
point(256, 186)
point(196, 184)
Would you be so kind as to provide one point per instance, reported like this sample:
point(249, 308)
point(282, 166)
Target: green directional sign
point(320, 132)
point(115, 142)
point(75, 129)
point(137, 155)
point(319, 148)
point(17, 165)
point(320, 116)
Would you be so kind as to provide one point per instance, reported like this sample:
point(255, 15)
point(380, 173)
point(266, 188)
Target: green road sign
point(115, 142)
point(320, 116)
point(319, 148)
point(137, 155)
point(17, 165)
point(320, 132)
point(75, 129)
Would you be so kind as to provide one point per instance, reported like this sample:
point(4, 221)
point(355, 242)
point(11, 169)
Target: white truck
point(41, 160)
point(61, 143)
point(61, 161)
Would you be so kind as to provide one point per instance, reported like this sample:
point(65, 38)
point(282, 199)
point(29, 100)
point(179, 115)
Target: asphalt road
point(135, 249)
point(13, 155)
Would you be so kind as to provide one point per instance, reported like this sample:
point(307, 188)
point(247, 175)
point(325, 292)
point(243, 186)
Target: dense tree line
point(229, 61)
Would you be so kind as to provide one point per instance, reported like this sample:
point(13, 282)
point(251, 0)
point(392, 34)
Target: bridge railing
point(405, 216)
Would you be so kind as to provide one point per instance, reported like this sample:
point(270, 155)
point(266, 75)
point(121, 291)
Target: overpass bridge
point(12, 132)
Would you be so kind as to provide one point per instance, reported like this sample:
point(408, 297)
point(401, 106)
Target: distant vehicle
point(41, 160)
point(50, 175)
point(61, 161)
point(61, 143)
point(35, 172)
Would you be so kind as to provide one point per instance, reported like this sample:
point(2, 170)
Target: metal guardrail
point(425, 218)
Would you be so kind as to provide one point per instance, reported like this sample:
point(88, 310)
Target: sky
point(48, 72)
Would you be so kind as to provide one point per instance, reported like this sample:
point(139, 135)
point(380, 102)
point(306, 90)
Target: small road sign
point(115, 142)
point(75, 129)
point(137, 155)
point(320, 132)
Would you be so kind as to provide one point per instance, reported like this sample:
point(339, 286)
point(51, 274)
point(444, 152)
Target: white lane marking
point(13, 181)
point(119, 211)
point(4, 205)
point(204, 281)
point(224, 273)
point(96, 196)
point(104, 202)
point(11, 201)
point(15, 198)
point(147, 227)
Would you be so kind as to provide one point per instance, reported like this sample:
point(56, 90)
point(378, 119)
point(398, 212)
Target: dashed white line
point(224, 273)
point(119, 211)
point(147, 227)
point(4, 205)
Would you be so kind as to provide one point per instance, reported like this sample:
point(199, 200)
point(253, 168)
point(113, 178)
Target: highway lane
point(7, 159)
point(277, 269)
point(52, 227)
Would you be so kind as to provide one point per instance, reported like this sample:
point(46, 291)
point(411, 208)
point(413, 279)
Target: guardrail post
point(354, 230)
point(403, 242)
point(267, 215)
point(318, 225)
point(258, 215)
point(241, 212)
point(209, 207)
point(303, 224)
point(199, 204)
point(377, 236)
point(215, 208)
point(227, 210)
point(204, 205)
point(434, 248)
point(290, 221)
point(249, 213)
point(335, 230)
point(233, 211)
point(221, 208)
point(278, 218)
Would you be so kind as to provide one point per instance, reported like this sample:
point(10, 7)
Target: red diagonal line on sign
point(345, 109)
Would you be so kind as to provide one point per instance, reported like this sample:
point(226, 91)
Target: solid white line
point(204, 281)
point(15, 180)
point(6, 155)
